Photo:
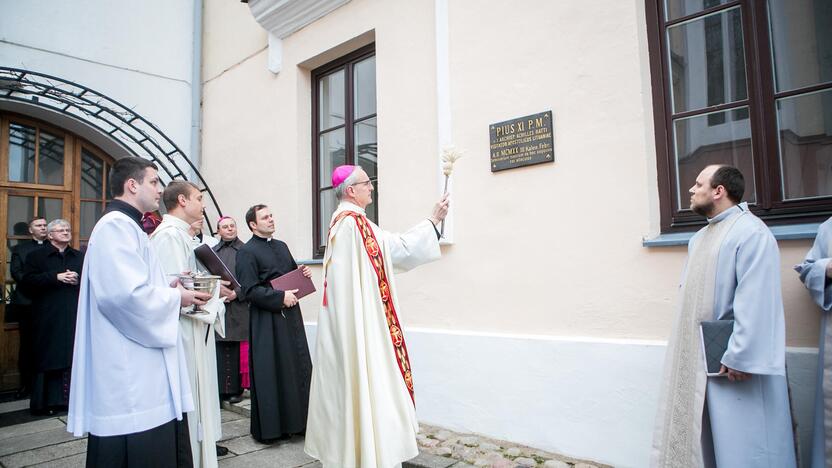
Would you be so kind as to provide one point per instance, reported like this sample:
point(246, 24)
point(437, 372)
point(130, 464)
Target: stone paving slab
point(243, 445)
point(29, 428)
point(281, 455)
point(45, 454)
point(75, 461)
point(235, 429)
point(226, 416)
point(426, 460)
point(24, 442)
point(16, 405)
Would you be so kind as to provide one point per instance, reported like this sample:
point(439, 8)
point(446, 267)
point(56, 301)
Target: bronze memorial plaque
point(522, 142)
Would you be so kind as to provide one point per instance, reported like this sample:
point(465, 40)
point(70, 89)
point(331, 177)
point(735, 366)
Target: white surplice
point(128, 372)
point(174, 246)
point(813, 274)
point(360, 410)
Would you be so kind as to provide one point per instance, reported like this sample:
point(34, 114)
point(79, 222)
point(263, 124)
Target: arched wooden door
point(44, 171)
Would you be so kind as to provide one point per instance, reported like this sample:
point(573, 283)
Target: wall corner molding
point(281, 18)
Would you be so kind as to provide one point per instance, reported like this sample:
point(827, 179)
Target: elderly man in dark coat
point(230, 371)
point(50, 278)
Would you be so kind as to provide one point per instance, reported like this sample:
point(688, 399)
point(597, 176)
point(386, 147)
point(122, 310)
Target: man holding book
point(280, 364)
point(732, 273)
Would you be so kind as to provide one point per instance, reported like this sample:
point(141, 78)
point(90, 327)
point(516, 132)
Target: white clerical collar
point(178, 223)
point(725, 214)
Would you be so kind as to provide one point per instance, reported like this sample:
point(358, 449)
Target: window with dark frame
point(343, 132)
point(746, 83)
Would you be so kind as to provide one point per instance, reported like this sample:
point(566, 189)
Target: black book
point(715, 335)
point(215, 266)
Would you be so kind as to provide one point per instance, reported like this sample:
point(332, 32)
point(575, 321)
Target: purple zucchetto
point(341, 173)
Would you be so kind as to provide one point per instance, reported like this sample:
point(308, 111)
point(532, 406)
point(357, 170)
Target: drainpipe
point(196, 88)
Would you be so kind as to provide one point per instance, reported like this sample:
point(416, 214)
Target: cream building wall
point(545, 321)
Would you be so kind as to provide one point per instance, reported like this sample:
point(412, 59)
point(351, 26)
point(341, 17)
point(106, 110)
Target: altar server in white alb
point(130, 385)
point(740, 419)
point(174, 243)
point(816, 274)
point(361, 407)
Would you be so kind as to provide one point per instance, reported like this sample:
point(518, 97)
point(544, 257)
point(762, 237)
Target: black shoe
point(221, 451)
point(235, 399)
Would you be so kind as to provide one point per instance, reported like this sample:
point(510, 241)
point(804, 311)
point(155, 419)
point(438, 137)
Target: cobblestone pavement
point(45, 443)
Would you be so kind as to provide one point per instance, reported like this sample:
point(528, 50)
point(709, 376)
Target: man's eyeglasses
point(366, 182)
point(61, 230)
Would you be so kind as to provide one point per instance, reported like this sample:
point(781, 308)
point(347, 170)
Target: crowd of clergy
point(120, 342)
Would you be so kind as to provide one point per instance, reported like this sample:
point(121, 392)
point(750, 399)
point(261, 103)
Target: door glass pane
point(332, 152)
point(50, 208)
point(21, 211)
point(21, 153)
point(707, 61)
point(679, 8)
point(51, 159)
point(698, 144)
point(801, 42)
point(328, 205)
point(92, 176)
point(90, 212)
point(331, 100)
point(364, 84)
point(366, 148)
point(804, 126)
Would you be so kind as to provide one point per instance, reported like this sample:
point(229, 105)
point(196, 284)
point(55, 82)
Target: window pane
point(50, 208)
point(328, 205)
point(805, 139)
point(51, 159)
point(90, 212)
point(707, 61)
point(801, 42)
point(332, 152)
point(21, 153)
point(679, 8)
point(331, 100)
point(21, 210)
point(699, 144)
point(366, 147)
point(372, 208)
point(92, 175)
point(365, 87)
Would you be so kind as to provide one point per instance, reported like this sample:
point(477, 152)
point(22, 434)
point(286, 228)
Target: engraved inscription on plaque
point(522, 142)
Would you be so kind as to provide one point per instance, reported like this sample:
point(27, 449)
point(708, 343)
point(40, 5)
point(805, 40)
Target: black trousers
point(165, 446)
point(228, 368)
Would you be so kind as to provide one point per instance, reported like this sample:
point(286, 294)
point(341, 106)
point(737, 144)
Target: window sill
point(789, 232)
point(310, 261)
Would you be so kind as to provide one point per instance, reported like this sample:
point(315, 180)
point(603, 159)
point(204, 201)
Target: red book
point(294, 280)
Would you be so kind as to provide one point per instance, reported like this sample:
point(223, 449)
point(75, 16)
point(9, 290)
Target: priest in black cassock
point(281, 368)
point(229, 371)
point(50, 278)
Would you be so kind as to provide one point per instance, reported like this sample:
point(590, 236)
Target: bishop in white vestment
point(129, 378)
point(741, 419)
point(361, 408)
point(815, 272)
point(174, 244)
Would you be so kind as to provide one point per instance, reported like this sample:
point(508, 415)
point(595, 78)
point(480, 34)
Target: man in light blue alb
point(816, 274)
point(732, 272)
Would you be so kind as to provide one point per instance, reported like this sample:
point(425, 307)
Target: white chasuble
point(128, 371)
point(813, 274)
point(175, 248)
point(361, 413)
point(732, 273)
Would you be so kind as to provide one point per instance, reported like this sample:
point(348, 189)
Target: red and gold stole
point(396, 335)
